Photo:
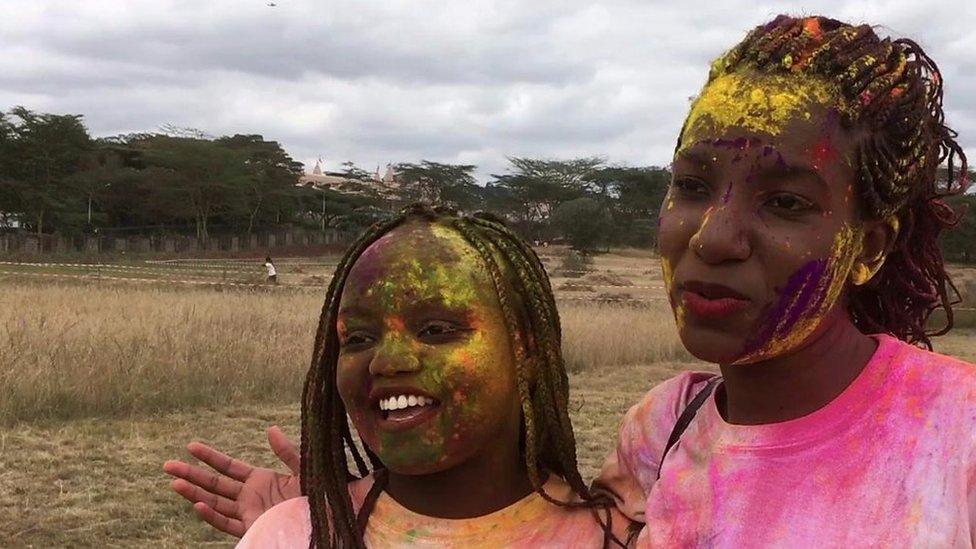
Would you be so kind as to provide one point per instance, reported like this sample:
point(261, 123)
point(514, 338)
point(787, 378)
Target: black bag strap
point(686, 416)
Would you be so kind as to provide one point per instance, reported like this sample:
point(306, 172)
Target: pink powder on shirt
point(889, 462)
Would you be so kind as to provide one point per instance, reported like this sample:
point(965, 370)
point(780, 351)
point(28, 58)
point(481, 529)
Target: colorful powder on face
point(757, 103)
point(433, 265)
point(805, 300)
point(667, 271)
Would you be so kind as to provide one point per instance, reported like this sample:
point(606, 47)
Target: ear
point(878, 240)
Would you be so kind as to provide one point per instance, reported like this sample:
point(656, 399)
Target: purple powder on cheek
point(728, 194)
point(798, 298)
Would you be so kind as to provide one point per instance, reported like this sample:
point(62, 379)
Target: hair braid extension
point(325, 430)
point(520, 280)
point(552, 437)
point(558, 386)
point(894, 90)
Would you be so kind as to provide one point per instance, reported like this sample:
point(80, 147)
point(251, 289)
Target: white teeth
point(404, 401)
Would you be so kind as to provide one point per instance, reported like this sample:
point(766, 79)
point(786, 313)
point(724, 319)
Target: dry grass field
point(103, 380)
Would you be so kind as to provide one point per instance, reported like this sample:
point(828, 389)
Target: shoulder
point(283, 526)
point(660, 407)
point(289, 523)
point(645, 429)
point(919, 368)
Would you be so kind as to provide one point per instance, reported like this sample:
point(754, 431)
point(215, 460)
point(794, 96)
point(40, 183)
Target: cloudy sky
point(387, 81)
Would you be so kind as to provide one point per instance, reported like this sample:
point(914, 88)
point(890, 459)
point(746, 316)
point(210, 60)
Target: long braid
point(893, 89)
point(325, 428)
point(528, 306)
point(550, 444)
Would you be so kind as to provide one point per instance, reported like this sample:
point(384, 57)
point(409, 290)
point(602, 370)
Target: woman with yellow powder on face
point(439, 340)
point(799, 245)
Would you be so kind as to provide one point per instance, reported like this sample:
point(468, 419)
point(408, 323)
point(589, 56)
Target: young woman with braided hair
point(799, 245)
point(440, 341)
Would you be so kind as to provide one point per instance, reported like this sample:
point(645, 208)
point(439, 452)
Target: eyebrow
point(784, 168)
point(353, 311)
point(696, 156)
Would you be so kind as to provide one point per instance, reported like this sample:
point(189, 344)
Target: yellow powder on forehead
point(757, 103)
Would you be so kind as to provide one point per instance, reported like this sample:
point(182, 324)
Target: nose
point(721, 235)
point(393, 357)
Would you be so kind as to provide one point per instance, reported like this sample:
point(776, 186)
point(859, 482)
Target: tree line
point(55, 177)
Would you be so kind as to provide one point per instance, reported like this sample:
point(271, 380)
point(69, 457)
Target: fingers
point(234, 468)
point(195, 494)
point(284, 449)
point(221, 522)
point(203, 479)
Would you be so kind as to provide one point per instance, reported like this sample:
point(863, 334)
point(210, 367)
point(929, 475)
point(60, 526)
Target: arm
point(630, 472)
point(234, 494)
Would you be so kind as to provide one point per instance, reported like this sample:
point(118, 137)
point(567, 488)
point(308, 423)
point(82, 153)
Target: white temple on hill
point(338, 181)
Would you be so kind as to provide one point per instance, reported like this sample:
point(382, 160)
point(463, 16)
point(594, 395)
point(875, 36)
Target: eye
point(790, 203)
point(438, 331)
point(690, 187)
point(356, 340)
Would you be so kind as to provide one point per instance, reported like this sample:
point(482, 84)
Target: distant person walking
point(272, 272)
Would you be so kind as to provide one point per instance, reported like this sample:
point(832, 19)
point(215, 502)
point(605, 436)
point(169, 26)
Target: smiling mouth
point(406, 410)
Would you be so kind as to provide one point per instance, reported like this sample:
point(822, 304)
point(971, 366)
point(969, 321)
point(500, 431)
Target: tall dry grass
point(80, 350)
point(69, 350)
point(597, 335)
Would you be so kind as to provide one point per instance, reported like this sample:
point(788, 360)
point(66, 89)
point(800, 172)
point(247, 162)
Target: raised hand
point(234, 494)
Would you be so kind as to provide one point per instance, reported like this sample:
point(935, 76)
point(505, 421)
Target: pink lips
point(712, 301)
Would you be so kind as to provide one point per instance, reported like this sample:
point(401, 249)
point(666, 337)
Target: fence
point(33, 244)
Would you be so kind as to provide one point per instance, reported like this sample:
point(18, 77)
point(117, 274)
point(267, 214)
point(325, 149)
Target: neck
point(472, 489)
point(798, 383)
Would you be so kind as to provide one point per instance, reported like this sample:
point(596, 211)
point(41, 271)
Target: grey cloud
point(394, 81)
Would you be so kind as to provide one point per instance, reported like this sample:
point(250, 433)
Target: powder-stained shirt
point(529, 522)
point(887, 463)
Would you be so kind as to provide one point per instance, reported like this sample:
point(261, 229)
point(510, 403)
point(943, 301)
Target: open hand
point(234, 494)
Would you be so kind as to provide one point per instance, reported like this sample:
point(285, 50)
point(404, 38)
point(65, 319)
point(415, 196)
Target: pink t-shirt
point(888, 463)
point(529, 522)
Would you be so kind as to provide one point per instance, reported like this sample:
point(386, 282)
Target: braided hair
point(529, 308)
point(892, 89)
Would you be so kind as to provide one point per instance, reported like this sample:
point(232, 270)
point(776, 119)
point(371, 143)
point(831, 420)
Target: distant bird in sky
point(271, 4)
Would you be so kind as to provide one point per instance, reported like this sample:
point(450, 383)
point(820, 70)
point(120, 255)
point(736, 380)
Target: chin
point(402, 464)
point(711, 345)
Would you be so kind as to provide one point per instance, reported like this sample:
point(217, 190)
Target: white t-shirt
point(271, 269)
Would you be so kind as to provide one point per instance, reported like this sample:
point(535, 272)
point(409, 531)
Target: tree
point(451, 185)
point(537, 187)
point(332, 208)
point(196, 177)
point(40, 151)
point(633, 197)
point(585, 222)
point(271, 175)
point(353, 172)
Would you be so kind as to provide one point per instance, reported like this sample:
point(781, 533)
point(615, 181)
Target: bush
point(575, 264)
